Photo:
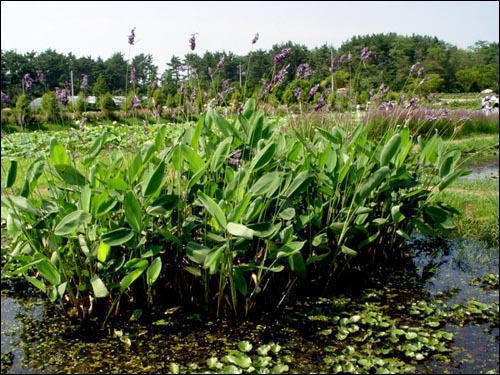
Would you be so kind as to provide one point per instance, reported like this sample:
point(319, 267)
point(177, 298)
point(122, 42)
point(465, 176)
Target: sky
point(163, 28)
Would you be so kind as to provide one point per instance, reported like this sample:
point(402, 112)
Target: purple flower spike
point(134, 102)
point(332, 66)
point(5, 98)
point(85, 81)
point(192, 42)
point(321, 103)
point(255, 38)
point(28, 82)
point(281, 56)
point(365, 54)
point(154, 85)
point(133, 74)
point(40, 76)
point(221, 62)
point(297, 92)
point(131, 37)
point(313, 90)
point(62, 96)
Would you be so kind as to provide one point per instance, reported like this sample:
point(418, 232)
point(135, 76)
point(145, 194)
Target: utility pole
point(240, 75)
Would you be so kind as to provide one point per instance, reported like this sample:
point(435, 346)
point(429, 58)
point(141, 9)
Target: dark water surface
point(34, 340)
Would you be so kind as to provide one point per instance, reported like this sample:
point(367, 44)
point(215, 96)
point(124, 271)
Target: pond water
point(34, 340)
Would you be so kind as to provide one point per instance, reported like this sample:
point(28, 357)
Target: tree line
point(446, 68)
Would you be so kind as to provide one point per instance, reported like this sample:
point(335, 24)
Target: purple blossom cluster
point(365, 54)
point(131, 37)
point(154, 85)
point(255, 38)
point(235, 159)
point(5, 98)
point(192, 42)
point(84, 82)
point(40, 76)
point(313, 90)
point(304, 71)
point(62, 96)
point(281, 56)
point(133, 74)
point(297, 92)
point(27, 82)
point(134, 103)
point(320, 104)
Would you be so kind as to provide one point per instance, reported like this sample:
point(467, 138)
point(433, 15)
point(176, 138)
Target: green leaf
point(153, 271)
point(154, 182)
point(213, 208)
point(70, 175)
point(221, 154)
point(263, 157)
point(396, 214)
point(239, 230)
point(130, 278)
point(37, 283)
point(299, 184)
point(196, 252)
point(267, 184)
point(72, 222)
point(117, 236)
point(289, 249)
point(390, 149)
point(103, 251)
point(48, 271)
point(448, 162)
point(133, 211)
point(11, 174)
point(58, 153)
point(34, 172)
point(100, 290)
point(23, 204)
point(452, 177)
point(96, 148)
point(191, 156)
point(373, 182)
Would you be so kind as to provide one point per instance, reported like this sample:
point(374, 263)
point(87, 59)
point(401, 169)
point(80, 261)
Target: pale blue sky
point(100, 28)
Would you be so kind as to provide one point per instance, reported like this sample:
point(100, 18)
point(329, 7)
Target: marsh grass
point(478, 203)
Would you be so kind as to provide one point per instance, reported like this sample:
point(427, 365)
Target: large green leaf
point(267, 184)
point(58, 153)
point(70, 174)
point(153, 271)
point(96, 148)
point(133, 212)
point(154, 181)
point(239, 230)
point(100, 290)
point(196, 252)
point(11, 174)
point(130, 278)
point(263, 157)
point(390, 149)
point(221, 154)
point(213, 208)
point(289, 249)
point(299, 184)
point(34, 172)
point(48, 270)
point(117, 236)
point(103, 251)
point(72, 222)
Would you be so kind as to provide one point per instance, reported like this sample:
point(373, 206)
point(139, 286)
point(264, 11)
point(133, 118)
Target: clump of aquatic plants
point(231, 215)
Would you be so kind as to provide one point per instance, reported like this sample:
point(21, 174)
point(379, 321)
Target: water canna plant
point(230, 215)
